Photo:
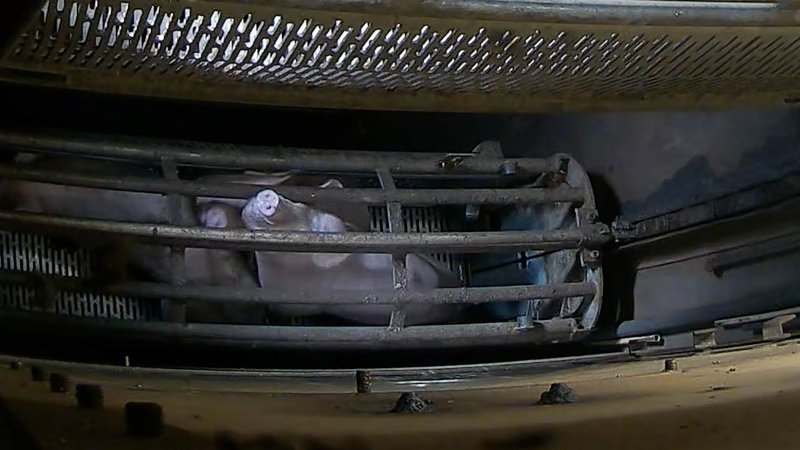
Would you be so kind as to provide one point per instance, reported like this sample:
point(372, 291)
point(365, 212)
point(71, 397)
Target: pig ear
point(327, 223)
point(268, 179)
point(214, 217)
point(332, 183)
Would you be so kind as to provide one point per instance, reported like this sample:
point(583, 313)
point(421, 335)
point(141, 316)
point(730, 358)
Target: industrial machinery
point(255, 223)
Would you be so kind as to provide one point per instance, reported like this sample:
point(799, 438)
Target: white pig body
point(322, 272)
point(221, 268)
point(203, 266)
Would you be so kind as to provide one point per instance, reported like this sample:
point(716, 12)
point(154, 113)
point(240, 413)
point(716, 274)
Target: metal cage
point(486, 182)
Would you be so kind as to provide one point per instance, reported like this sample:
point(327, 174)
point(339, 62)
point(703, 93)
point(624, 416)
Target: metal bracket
point(756, 328)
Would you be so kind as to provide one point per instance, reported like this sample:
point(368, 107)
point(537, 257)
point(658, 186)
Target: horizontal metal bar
point(731, 205)
point(301, 241)
point(753, 253)
point(238, 294)
point(263, 158)
point(294, 337)
point(411, 197)
point(324, 381)
point(763, 317)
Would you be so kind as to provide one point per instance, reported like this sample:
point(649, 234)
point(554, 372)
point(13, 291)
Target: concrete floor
point(741, 399)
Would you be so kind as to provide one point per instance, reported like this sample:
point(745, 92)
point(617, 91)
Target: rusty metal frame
point(180, 233)
point(715, 49)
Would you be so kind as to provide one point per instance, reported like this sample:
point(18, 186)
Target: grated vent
point(27, 252)
point(418, 219)
point(284, 47)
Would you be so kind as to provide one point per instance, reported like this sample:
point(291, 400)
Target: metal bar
point(731, 205)
point(394, 213)
point(724, 261)
point(294, 337)
point(178, 207)
point(300, 241)
point(320, 381)
point(411, 197)
point(260, 158)
point(239, 294)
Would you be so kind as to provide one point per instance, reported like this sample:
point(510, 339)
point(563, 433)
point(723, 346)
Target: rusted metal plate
point(441, 55)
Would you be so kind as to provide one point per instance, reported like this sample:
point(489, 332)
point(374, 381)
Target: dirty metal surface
point(517, 56)
point(322, 381)
point(740, 399)
point(736, 266)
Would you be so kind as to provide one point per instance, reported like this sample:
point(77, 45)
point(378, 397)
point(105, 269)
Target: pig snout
point(266, 203)
point(259, 211)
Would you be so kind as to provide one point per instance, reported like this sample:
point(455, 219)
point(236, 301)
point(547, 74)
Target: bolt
point(59, 382)
point(670, 365)
point(595, 254)
point(89, 396)
point(144, 419)
point(508, 168)
point(14, 365)
point(363, 382)
point(38, 373)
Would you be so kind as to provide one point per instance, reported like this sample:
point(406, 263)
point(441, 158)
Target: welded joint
point(557, 175)
point(527, 319)
point(485, 149)
point(562, 328)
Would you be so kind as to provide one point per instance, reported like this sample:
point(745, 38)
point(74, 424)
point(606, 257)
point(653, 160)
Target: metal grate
point(506, 64)
point(418, 220)
point(32, 253)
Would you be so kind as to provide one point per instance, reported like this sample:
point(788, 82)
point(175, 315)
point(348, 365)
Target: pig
point(203, 266)
point(221, 268)
point(322, 272)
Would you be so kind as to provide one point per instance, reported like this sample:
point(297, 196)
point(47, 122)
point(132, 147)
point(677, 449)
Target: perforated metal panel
point(418, 219)
point(27, 252)
point(243, 52)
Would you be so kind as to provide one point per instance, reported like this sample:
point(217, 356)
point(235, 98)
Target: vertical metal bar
point(394, 211)
point(179, 207)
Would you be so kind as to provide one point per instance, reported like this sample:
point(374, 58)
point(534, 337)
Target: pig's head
point(268, 210)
